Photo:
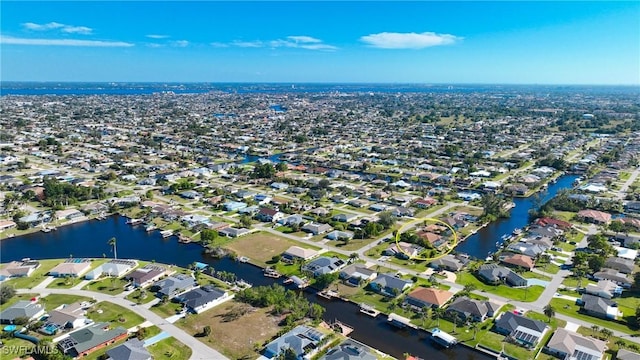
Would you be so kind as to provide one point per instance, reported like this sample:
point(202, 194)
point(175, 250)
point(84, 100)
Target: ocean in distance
point(135, 88)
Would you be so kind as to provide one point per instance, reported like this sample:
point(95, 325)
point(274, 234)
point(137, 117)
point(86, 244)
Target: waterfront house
point(132, 349)
point(389, 284)
point(428, 297)
point(525, 248)
point(172, 285)
point(604, 288)
point(495, 274)
point(23, 309)
point(296, 252)
point(71, 268)
point(471, 309)
point(6, 225)
point(546, 221)
point(203, 298)
point(233, 232)
point(518, 260)
point(18, 269)
point(350, 350)
point(598, 307)
point(569, 345)
point(112, 268)
point(91, 338)
point(355, 273)
point(323, 265)
point(523, 330)
point(146, 275)
point(594, 216)
point(302, 340)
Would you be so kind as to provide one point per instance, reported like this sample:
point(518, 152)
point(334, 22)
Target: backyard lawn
point(169, 348)
point(116, 314)
point(521, 294)
point(110, 286)
point(260, 247)
point(569, 308)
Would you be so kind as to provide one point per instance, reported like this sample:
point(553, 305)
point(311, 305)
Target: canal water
point(89, 239)
point(488, 239)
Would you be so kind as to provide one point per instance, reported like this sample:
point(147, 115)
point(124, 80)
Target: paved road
point(623, 189)
point(199, 350)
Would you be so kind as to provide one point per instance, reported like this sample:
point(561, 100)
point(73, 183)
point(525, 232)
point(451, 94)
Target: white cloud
point(389, 40)
point(248, 44)
point(179, 43)
point(77, 30)
point(8, 40)
point(304, 39)
point(156, 36)
point(70, 29)
point(219, 44)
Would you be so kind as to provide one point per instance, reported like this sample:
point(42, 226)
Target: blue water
point(89, 239)
point(488, 239)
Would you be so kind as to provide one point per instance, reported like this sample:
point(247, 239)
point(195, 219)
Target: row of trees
point(283, 301)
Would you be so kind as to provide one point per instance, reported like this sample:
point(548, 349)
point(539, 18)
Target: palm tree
point(474, 327)
point(620, 343)
point(353, 257)
point(112, 243)
point(549, 311)
point(606, 333)
point(595, 329)
point(438, 313)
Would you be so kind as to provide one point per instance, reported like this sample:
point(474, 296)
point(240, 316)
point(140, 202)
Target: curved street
point(199, 350)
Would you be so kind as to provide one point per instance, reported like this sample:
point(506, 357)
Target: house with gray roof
point(496, 274)
point(303, 340)
point(65, 317)
point(114, 268)
point(598, 307)
point(624, 266)
point(624, 354)
point(526, 248)
point(604, 288)
point(355, 273)
point(613, 275)
point(323, 265)
point(316, 228)
point(569, 345)
point(132, 349)
point(471, 309)
point(23, 309)
point(174, 284)
point(203, 298)
point(448, 262)
point(389, 284)
point(350, 350)
point(523, 330)
point(89, 339)
point(146, 275)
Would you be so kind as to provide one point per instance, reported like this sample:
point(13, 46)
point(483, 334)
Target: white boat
point(243, 259)
point(443, 338)
point(166, 233)
point(151, 228)
point(369, 310)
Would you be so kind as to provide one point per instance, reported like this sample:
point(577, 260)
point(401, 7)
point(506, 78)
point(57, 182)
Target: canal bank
point(489, 238)
point(89, 239)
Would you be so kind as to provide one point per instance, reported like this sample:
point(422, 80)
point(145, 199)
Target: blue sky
point(416, 42)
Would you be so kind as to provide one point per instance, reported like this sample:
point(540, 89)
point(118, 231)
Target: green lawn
point(54, 300)
point(524, 294)
point(565, 246)
point(14, 348)
point(109, 312)
point(533, 275)
point(36, 277)
point(167, 309)
point(135, 296)
point(548, 268)
point(572, 282)
point(170, 349)
point(569, 308)
point(111, 286)
point(496, 342)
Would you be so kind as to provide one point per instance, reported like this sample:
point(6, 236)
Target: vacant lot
point(115, 314)
point(170, 349)
point(235, 338)
point(261, 247)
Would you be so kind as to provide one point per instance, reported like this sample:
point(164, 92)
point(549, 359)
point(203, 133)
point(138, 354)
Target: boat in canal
point(166, 233)
point(442, 338)
point(369, 310)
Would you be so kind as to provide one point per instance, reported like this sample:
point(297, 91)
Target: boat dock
point(400, 321)
point(369, 310)
point(442, 338)
point(135, 221)
point(341, 327)
point(166, 233)
point(268, 272)
point(328, 294)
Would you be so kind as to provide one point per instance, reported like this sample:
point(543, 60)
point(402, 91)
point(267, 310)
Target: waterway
point(89, 239)
point(488, 239)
